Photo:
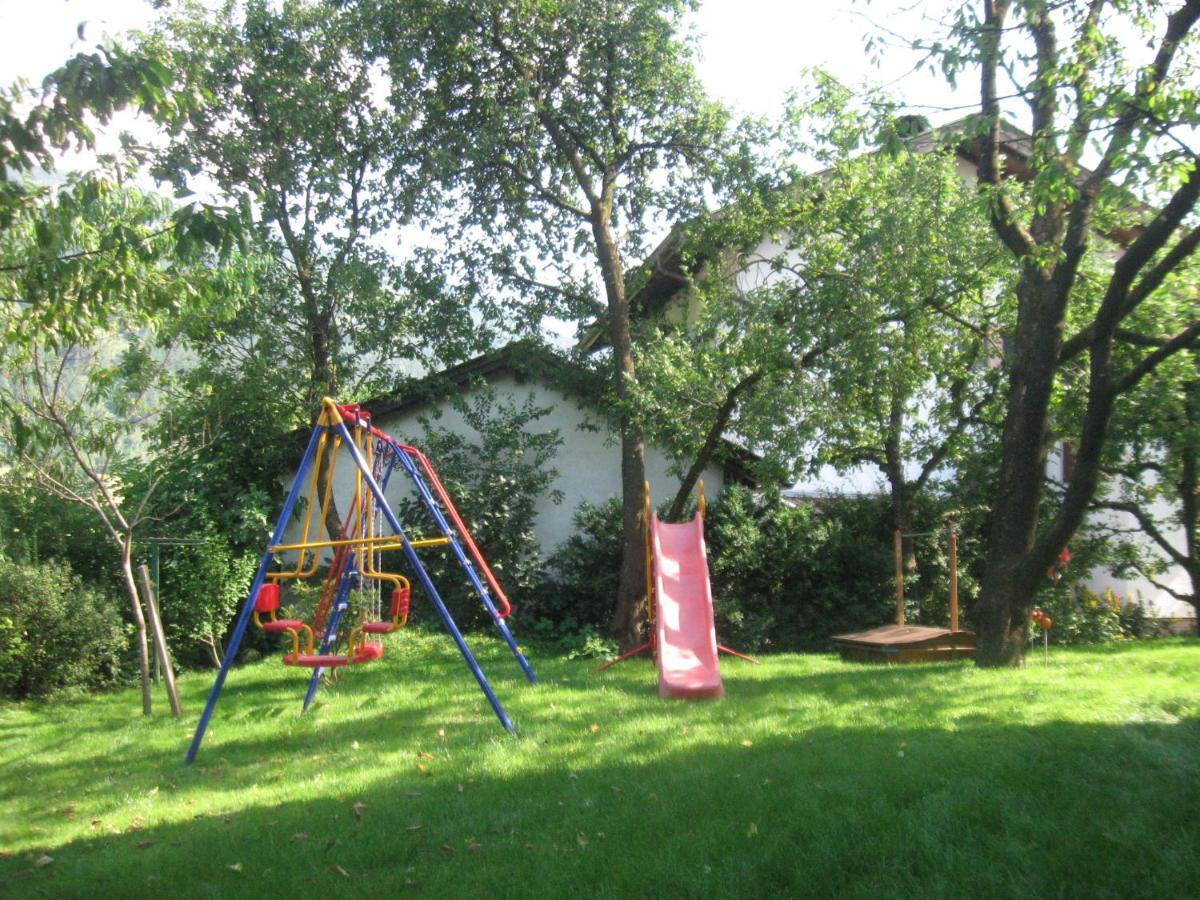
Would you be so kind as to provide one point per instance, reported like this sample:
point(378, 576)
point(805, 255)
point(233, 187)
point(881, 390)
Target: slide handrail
point(649, 555)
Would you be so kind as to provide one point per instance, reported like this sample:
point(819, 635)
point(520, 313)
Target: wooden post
point(953, 580)
point(160, 641)
point(899, 541)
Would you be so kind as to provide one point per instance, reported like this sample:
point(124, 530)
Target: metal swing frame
point(432, 494)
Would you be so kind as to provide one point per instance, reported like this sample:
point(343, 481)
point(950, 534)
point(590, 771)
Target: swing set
point(350, 610)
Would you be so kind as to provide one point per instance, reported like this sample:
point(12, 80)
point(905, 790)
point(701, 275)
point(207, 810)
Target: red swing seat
point(401, 601)
point(367, 652)
point(360, 652)
point(267, 603)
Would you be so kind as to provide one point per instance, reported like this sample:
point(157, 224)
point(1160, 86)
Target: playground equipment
point(679, 610)
point(911, 643)
point(355, 571)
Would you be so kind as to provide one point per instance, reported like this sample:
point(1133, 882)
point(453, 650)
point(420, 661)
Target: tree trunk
point(139, 620)
point(1002, 623)
point(215, 652)
point(631, 586)
point(1007, 592)
point(901, 495)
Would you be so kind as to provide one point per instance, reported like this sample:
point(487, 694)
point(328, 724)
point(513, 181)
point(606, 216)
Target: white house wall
point(1155, 601)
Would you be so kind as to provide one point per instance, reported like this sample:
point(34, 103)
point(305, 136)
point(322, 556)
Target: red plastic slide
point(687, 635)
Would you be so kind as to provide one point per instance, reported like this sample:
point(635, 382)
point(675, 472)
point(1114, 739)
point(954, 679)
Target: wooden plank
point(904, 635)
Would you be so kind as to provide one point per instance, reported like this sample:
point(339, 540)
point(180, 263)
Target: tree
point(86, 352)
point(567, 130)
point(295, 123)
point(1090, 95)
point(86, 89)
point(856, 330)
point(911, 396)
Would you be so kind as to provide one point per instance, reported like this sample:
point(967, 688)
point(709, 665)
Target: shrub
point(577, 594)
point(56, 633)
point(496, 482)
point(784, 577)
point(788, 577)
point(1083, 617)
point(202, 587)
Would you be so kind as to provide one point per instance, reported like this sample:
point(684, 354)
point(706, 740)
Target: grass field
point(1080, 777)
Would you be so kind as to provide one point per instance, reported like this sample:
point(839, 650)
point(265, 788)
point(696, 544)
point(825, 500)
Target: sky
point(752, 51)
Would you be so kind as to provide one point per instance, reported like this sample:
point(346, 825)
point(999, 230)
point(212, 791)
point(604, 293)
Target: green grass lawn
point(1080, 777)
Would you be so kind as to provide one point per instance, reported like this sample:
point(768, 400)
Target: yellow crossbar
point(383, 542)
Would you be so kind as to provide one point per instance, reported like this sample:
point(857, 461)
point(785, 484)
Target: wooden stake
point(899, 577)
point(953, 580)
point(160, 642)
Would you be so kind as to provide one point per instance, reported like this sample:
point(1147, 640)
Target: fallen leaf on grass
point(234, 867)
point(299, 836)
point(752, 830)
point(42, 861)
point(422, 768)
point(425, 755)
point(581, 839)
point(474, 847)
point(354, 745)
point(594, 728)
point(341, 871)
point(747, 743)
point(416, 826)
point(357, 809)
point(447, 849)
point(460, 788)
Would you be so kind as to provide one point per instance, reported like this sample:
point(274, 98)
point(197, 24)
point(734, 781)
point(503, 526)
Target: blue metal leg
point(331, 630)
point(427, 498)
point(239, 630)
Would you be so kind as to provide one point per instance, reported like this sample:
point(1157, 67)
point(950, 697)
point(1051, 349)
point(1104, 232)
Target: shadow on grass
point(1055, 809)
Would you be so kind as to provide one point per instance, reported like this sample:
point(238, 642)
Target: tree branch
point(1148, 526)
point(1181, 341)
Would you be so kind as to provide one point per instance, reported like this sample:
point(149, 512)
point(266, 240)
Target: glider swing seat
point(901, 643)
point(369, 528)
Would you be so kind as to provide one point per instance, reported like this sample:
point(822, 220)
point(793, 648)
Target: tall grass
point(814, 777)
